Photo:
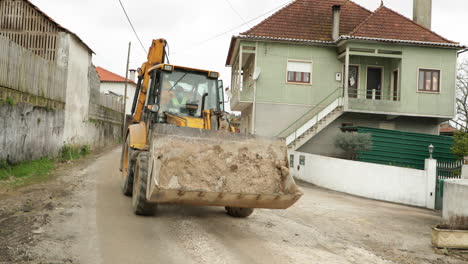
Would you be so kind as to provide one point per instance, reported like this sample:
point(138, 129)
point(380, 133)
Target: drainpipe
point(336, 22)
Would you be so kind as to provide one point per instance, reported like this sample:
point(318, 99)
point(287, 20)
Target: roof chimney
point(132, 74)
point(336, 22)
point(422, 12)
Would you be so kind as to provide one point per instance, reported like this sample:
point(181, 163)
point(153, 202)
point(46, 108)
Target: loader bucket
point(218, 168)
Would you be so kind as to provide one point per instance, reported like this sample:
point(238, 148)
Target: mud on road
point(82, 217)
point(25, 212)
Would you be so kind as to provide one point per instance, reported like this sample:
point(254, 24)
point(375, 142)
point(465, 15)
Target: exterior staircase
point(314, 121)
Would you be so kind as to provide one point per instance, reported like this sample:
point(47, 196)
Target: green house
point(318, 65)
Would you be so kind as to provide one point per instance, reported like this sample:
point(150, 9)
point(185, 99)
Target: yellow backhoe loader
point(181, 149)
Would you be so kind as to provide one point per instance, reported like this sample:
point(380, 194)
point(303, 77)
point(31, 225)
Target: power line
point(235, 11)
point(133, 28)
point(236, 27)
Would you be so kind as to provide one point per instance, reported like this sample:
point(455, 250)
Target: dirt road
point(95, 224)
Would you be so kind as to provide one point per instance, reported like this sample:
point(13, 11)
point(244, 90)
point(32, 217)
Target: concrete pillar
point(464, 171)
point(346, 79)
point(431, 173)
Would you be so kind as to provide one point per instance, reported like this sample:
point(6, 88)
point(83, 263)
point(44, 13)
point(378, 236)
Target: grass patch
point(10, 101)
point(26, 172)
point(70, 152)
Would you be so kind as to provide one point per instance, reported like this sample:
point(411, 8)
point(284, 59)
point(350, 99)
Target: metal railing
point(373, 94)
point(449, 170)
point(311, 113)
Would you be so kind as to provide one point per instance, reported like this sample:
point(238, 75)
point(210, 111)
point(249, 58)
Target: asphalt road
point(98, 226)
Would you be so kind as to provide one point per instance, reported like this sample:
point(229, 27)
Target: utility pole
point(125, 93)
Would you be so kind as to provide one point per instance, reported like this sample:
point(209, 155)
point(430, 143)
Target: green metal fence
point(404, 149)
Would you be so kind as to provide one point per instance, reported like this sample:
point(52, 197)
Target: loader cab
point(183, 92)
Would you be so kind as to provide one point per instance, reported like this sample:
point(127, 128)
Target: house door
point(374, 83)
point(395, 85)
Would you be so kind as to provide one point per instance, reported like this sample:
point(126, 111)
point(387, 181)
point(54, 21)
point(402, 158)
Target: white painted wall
point(374, 181)
point(77, 96)
point(455, 199)
point(119, 88)
point(78, 130)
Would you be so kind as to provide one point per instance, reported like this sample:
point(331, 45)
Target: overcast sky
point(188, 24)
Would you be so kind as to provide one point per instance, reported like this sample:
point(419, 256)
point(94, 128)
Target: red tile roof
point(310, 20)
point(385, 23)
point(108, 76)
point(447, 128)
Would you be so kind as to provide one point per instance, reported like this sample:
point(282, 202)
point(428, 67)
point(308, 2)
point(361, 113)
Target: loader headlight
point(213, 75)
point(168, 68)
point(153, 108)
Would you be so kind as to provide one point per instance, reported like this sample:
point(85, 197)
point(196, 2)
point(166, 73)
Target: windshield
point(179, 89)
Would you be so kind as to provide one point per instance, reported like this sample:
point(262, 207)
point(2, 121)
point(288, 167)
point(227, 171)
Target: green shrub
point(70, 152)
point(10, 101)
point(352, 143)
point(460, 146)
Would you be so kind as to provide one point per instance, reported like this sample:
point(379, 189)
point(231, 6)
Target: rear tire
point(128, 169)
point(239, 212)
point(140, 184)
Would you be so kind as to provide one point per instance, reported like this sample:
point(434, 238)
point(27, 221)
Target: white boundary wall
point(374, 181)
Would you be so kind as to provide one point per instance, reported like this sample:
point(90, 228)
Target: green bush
point(10, 101)
point(70, 152)
point(460, 146)
point(352, 143)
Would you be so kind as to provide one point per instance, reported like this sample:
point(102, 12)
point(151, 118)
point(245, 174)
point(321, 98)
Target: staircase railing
point(311, 113)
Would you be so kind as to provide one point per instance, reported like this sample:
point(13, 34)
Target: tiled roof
point(447, 128)
point(108, 76)
point(310, 20)
point(385, 23)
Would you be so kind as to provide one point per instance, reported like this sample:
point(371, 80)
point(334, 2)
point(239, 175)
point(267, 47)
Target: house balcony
point(373, 101)
point(242, 97)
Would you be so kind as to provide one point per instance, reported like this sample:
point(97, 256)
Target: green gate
point(404, 149)
point(445, 171)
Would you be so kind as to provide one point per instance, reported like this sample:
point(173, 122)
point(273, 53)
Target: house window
point(302, 160)
point(299, 72)
point(429, 81)
point(291, 161)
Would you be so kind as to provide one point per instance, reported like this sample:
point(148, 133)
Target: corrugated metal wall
point(405, 149)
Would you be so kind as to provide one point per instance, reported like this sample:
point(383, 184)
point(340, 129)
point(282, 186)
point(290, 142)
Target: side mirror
point(153, 108)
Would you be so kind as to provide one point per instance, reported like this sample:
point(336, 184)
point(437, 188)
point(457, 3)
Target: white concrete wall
point(374, 181)
point(78, 130)
point(455, 199)
point(119, 88)
point(77, 96)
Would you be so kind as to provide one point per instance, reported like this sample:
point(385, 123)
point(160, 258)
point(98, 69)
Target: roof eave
point(412, 42)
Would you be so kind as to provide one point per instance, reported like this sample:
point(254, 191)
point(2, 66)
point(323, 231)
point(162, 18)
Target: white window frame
point(299, 83)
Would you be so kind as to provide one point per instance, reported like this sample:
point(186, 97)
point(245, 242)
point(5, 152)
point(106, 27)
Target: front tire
point(126, 182)
point(239, 212)
point(140, 184)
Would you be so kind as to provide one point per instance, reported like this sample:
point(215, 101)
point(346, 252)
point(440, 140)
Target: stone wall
point(29, 132)
point(36, 125)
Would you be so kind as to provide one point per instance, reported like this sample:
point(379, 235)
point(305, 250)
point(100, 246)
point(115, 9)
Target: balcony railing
point(374, 94)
